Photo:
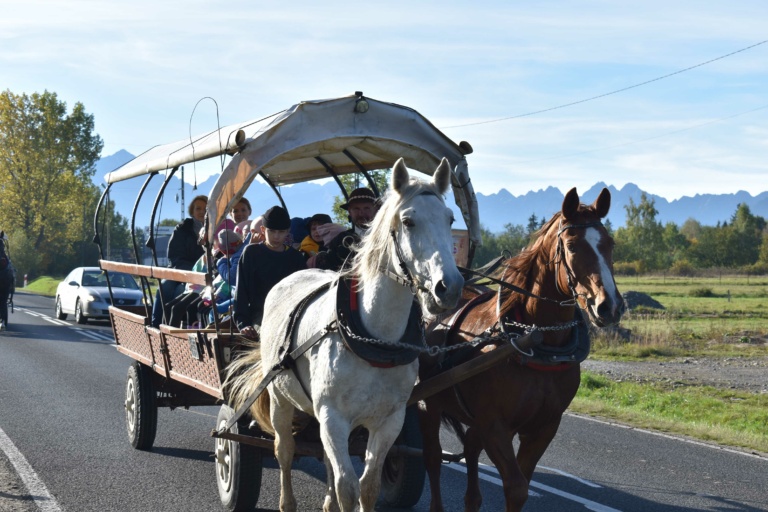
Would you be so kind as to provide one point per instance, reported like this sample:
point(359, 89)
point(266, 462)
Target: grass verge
point(43, 285)
point(725, 417)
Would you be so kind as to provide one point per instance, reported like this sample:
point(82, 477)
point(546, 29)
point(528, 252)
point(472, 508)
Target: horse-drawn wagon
point(182, 367)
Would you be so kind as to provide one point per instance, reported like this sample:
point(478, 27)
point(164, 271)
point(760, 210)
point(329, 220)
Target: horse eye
point(571, 247)
point(453, 219)
point(407, 222)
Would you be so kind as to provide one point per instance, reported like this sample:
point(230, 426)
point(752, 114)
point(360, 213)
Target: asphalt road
point(63, 446)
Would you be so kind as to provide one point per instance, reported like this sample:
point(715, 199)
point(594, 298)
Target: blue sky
point(141, 67)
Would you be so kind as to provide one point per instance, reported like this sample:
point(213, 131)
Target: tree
point(47, 159)
point(642, 237)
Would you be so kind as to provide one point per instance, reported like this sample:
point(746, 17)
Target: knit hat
point(320, 218)
point(277, 218)
point(229, 241)
point(359, 194)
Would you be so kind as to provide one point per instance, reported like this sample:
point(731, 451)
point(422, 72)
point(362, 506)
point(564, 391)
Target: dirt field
point(728, 372)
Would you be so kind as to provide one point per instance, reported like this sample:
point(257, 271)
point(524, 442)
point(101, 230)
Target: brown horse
point(569, 264)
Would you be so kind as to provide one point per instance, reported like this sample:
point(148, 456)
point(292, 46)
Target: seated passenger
point(362, 208)
point(241, 211)
point(261, 267)
point(313, 242)
point(183, 251)
point(256, 235)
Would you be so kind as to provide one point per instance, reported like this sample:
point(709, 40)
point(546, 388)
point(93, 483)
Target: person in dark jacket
point(183, 251)
point(362, 208)
point(261, 267)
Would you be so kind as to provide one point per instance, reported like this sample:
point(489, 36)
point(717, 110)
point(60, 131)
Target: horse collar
point(357, 339)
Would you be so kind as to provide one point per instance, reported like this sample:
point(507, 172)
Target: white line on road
point(53, 320)
point(94, 335)
point(488, 478)
point(574, 477)
point(35, 486)
point(668, 436)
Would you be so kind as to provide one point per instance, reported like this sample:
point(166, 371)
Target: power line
point(607, 93)
point(711, 121)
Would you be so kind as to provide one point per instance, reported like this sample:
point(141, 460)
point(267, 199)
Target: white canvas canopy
point(303, 142)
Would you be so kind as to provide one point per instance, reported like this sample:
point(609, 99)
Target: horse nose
point(448, 291)
point(611, 310)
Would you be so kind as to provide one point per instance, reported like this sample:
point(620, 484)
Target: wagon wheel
point(402, 479)
point(140, 407)
point(238, 467)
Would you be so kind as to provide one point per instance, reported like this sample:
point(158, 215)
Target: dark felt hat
point(277, 218)
point(320, 218)
point(360, 194)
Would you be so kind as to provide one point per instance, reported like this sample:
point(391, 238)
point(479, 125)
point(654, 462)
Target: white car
point(84, 293)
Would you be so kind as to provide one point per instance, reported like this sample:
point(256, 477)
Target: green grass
point(44, 285)
point(725, 417)
point(725, 316)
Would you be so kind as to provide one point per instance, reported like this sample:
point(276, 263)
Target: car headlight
point(91, 297)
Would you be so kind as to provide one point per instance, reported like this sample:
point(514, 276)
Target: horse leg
point(334, 433)
point(330, 504)
point(498, 445)
point(473, 445)
point(281, 415)
point(429, 423)
point(380, 440)
point(532, 447)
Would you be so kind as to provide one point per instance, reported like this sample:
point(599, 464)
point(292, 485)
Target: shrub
point(682, 268)
point(701, 292)
point(629, 268)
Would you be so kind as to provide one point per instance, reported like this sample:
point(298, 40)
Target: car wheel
point(79, 316)
point(59, 313)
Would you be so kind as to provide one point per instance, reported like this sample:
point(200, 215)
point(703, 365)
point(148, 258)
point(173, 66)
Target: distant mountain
point(496, 210)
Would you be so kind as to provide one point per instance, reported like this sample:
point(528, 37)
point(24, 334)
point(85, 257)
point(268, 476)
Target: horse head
point(585, 256)
point(414, 224)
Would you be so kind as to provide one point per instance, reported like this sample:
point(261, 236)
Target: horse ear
point(400, 176)
point(442, 176)
point(603, 203)
point(570, 203)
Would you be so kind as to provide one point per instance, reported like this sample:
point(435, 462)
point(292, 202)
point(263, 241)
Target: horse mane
point(373, 253)
point(517, 269)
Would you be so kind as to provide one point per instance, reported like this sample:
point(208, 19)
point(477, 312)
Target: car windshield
point(116, 279)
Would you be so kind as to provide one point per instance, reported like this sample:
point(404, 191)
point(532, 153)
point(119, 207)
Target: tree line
point(47, 203)
point(644, 244)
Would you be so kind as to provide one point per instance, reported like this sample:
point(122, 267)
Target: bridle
point(407, 279)
point(560, 257)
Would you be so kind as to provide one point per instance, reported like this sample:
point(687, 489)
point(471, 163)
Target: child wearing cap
point(313, 242)
point(261, 267)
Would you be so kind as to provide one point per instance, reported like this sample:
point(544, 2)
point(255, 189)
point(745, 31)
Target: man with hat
point(261, 267)
point(362, 208)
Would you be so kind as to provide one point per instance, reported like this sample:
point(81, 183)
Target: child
point(313, 242)
point(261, 267)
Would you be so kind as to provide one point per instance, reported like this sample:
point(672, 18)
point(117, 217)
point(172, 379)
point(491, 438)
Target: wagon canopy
point(311, 140)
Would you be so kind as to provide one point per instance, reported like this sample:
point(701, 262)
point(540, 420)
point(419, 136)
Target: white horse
point(409, 241)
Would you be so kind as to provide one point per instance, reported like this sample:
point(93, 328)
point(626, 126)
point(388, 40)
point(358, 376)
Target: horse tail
point(456, 426)
point(243, 376)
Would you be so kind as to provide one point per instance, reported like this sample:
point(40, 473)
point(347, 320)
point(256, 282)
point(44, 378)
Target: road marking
point(668, 436)
point(574, 477)
point(588, 504)
point(53, 320)
point(488, 478)
point(35, 486)
point(88, 333)
point(94, 335)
